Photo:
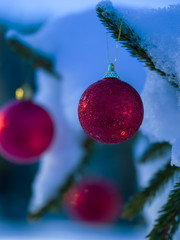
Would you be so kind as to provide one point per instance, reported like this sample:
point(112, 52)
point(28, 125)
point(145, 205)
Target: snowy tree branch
point(131, 41)
point(32, 56)
point(159, 180)
point(169, 218)
point(57, 201)
point(155, 150)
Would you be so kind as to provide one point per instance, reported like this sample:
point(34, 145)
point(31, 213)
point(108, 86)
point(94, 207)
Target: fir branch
point(155, 151)
point(169, 218)
point(32, 56)
point(131, 41)
point(57, 201)
point(159, 180)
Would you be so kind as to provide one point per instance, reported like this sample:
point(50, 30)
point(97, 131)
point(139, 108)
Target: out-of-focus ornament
point(94, 200)
point(26, 129)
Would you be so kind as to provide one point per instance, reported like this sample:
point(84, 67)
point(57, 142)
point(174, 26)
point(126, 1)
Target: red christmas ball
point(110, 111)
point(26, 131)
point(93, 200)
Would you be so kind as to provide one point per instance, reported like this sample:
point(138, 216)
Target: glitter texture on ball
point(110, 111)
point(26, 131)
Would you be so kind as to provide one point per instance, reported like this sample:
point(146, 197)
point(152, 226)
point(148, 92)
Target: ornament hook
point(111, 73)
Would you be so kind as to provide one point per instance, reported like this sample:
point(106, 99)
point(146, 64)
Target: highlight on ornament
point(110, 111)
point(94, 200)
point(26, 131)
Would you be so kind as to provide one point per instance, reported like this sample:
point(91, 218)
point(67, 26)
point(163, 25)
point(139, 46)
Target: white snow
point(175, 157)
point(67, 230)
point(66, 151)
point(161, 112)
point(24, 14)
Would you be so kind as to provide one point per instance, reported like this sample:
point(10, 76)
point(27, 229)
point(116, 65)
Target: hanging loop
point(118, 42)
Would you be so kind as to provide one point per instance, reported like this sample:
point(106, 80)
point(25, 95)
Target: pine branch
point(155, 151)
point(169, 218)
point(32, 56)
point(131, 41)
point(57, 201)
point(146, 195)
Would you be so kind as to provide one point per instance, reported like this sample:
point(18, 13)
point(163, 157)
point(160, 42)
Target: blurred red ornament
point(93, 200)
point(26, 131)
point(110, 110)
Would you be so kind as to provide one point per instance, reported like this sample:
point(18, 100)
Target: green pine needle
point(56, 203)
point(32, 56)
point(169, 218)
point(146, 195)
point(155, 151)
point(131, 41)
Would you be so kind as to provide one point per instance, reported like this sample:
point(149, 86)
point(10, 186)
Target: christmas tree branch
point(57, 201)
point(32, 56)
point(169, 219)
point(130, 40)
point(155, 151)
point(159, 180)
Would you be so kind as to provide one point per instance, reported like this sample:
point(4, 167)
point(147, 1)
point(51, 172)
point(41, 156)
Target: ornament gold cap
point(24, 93)
point(111, 73)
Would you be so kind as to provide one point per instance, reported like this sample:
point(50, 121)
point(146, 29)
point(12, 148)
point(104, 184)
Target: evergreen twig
point(158, 181)
point(131, 41)
point(32, 56)
point(156, 150)
point(57, 201)
point(169, 218)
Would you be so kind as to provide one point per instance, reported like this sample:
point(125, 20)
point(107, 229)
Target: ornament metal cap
point(25, 92)
point(111, 73)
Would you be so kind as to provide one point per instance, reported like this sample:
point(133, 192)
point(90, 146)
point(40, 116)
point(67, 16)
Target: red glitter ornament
point(110, 110)
point(26, 131)
point(93, 200)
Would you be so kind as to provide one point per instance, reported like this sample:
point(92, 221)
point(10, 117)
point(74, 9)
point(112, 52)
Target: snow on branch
point(129, 38)
point(56, 202)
